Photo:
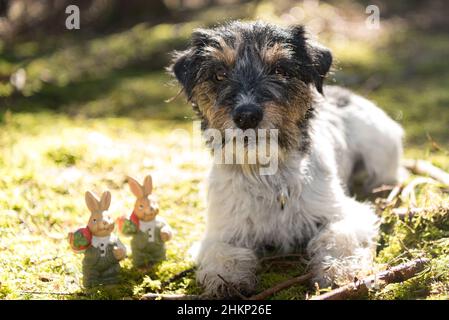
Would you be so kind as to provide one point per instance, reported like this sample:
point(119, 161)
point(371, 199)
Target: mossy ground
point(87, 130)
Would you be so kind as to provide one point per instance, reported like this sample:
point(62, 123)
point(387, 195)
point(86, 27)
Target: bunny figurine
point(149, 232)
point(102, 249)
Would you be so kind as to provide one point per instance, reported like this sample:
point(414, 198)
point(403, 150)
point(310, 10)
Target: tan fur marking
point(226, 53)
point(271, 54)
point(286, 118)
point(220, 118)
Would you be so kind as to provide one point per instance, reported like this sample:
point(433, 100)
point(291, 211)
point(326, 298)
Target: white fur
point(244, 213)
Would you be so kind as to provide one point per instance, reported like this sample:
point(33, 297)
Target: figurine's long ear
point(105, 201)
point(148, 185)
point(92, 202)
point(135, 187)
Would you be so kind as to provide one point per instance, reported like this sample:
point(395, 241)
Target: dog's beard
point(253, 147)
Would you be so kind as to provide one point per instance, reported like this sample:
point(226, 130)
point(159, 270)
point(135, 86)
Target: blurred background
point(81, 108)
point(113, 65)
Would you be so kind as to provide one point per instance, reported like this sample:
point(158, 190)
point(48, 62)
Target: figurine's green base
point(145, 253)
point(98, 270)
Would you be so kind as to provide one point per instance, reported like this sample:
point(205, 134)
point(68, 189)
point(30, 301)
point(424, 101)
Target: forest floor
point(86, 126)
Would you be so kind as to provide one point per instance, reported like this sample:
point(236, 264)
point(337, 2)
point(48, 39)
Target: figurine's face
point(146, 209)
point(101, 224)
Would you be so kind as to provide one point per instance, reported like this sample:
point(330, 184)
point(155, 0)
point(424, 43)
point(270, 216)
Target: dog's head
point(253, 76)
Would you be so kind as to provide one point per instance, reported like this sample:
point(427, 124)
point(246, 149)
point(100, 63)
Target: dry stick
point(426, 168)
point(51, 293)
point(154, 296)
point(394, 193)
point(281, 286)
point(409, 190)
point(174, 296)
point(382, 188)
point(178, 276)
point(398, 273)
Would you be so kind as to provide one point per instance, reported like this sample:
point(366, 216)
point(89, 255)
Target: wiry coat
point(244, 214)
point(245, 217)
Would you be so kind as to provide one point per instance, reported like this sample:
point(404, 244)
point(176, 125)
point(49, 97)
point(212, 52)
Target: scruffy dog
point(261, 76)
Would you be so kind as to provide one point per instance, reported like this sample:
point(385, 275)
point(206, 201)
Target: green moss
point(64, 156)
point(94, 112)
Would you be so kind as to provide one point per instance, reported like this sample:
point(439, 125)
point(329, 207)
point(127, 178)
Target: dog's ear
point(186, 64)
point(322, 61)
point(180, 67)
point(315, 58)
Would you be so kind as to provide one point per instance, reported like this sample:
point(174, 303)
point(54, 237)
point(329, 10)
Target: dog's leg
point(343, 249)
point(236, 265)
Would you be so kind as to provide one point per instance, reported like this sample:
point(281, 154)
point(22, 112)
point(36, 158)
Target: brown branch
point(382, 188)
point(178, 276)
point(52, 293)
point(409, 190)
point(282, 286)
point(174, 296)
point(426, 168)
point(393, 194)
point(435, 145)
point(358, 288)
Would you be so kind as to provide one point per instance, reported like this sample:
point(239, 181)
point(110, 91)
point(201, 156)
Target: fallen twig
point(435, 145)
point(177, 276)
point(51, 293)
point(174, 296)
point(281, 286)
point(358, 288)
point(383, 188)
point(391, 200)
point(426, 168)
point(409, 190)
point(393, 194)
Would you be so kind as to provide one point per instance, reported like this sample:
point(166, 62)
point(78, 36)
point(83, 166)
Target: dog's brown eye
point(220, 75)
point(280, 72)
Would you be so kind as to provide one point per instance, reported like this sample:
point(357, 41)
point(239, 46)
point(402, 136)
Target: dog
point(256, 75)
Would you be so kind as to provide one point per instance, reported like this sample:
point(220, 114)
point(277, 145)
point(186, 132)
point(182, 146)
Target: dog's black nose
point(247, 116)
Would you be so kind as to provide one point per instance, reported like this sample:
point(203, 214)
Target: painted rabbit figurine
point(102, 249)
point(149, 232)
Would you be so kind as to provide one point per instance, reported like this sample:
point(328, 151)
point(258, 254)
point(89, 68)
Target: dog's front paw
point(228, 272)
point(338, 271)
